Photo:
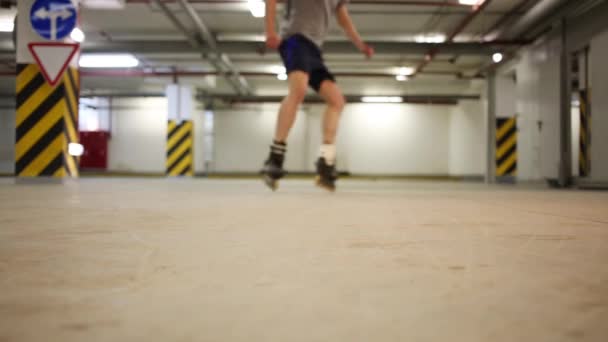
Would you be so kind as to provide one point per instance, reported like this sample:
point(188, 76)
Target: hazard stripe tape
point(51, 124)
point(506, 147)
point(505, 129)
point(26, 73)
point(180, 148)
point(46, 122)
point(72, 94)
point(172, 129)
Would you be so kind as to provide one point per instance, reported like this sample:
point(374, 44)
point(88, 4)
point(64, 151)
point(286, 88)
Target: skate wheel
point(273, 184)
point(322, 185)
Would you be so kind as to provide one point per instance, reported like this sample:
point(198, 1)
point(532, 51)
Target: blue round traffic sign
point(53, 19)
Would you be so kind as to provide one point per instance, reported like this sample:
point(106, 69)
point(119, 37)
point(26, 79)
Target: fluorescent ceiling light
point(401, 78)
point(7, 20)
point(382, 99)
point(6, 26)
point(437, 38)
point(277, 69)
point(104, 4)
point(77, 35)
point(257, 8)
point(470, 2)
point(406, 71)
point(75, 149)
point(497, 57)
point(108, 61)
point(282, 77)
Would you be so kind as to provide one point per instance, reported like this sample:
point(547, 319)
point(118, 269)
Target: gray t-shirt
point(309, 17)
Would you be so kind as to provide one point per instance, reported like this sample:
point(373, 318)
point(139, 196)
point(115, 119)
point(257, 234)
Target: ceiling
point(392, 27)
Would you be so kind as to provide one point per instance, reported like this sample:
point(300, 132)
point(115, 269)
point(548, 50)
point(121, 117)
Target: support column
point(490, 176)
point(47, 94)
point(506, 149)
point(180, 132)
point(565, 163)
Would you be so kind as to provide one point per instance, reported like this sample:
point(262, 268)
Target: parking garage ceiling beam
point(313, 99)
point(430, 55)
point(389, 48)
point(414, 3)
point(237, 82)
point(208, 37)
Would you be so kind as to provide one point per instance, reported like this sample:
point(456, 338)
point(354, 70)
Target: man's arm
point(347, 25)
point(272, 38)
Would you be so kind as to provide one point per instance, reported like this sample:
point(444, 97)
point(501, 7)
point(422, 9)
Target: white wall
point(138, 136)
point(467, 139)
point(7, 136)
point(599, 107)
point(506, 99)
point(198, 119)
point(94, 114)
point(528, 109)
point(537, 107)
point(396, 139)
point(538, 98)
point(242, 137)
point(373, 139)
point(399, 139)
point(549, 97)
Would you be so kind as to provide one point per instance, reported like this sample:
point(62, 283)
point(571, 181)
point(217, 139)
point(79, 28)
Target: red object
point(95, 154)
point(53, 81)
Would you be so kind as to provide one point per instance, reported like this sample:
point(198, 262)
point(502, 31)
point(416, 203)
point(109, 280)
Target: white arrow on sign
point(53, 15)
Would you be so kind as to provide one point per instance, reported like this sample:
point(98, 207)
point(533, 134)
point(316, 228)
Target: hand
point(368, 51)
point(273, 41)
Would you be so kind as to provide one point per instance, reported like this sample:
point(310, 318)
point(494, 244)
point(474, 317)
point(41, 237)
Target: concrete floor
point(200, 260)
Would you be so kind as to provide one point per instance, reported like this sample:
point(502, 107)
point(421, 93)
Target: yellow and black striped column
point(47, 121)
point(506, 147)
point(180, 138)
point(584, 162)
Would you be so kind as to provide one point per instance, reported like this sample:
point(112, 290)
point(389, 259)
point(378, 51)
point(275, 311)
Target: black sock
point(277, 152)
point(278, 147)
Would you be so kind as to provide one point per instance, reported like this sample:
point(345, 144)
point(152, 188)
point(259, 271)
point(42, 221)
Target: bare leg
point(335, 104)
point(273, 167)
point(298, 83)
point(326, 169)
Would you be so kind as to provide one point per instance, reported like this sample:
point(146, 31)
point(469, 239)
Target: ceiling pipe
point(200, 25)
point(210, 40)
point(144, 73)
point(257, 48)
point(428, 58)
point(426, 99)
point(196, 44)
point(551, 8)
point(357, 2)
point(491, 37)
point(177, 23)
point(516, 10)
point(532, 16)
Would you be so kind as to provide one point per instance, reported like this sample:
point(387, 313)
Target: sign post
point(48, 87)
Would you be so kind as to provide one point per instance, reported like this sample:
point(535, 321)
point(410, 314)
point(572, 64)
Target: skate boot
point(326, 175)
point(273, 167)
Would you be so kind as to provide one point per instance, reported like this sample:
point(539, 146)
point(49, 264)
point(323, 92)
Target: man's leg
point(298, 84)
point(334, 99)
point(273, 167)
point(326, 168)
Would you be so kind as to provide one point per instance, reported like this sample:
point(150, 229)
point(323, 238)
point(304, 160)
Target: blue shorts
point(300, 53)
